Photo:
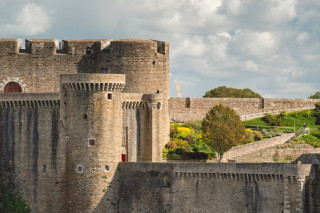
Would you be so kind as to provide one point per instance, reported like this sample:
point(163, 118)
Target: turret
point(92, 120)
point(145, 64)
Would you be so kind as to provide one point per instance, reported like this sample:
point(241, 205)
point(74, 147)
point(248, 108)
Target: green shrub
point(174, 157)
point(171, 151)
point(212, 154)
point(164, 153)
point(183, 132)
point(268, 135)
point(317, 105)
point(10, 203)
point(248, 136)
point(196, 149)
point(268, 118)
point(179, 151)
point(257, 135)
point(195, 155)
point(309, 139)
point(273, 133)
point(275, 120)
point(317, 116)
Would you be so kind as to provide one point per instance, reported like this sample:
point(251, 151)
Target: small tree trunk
point(220, 156)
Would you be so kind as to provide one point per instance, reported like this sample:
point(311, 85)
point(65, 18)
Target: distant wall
point(186, 109)
point(206, 187)
point(285, 152)
point(31, 157)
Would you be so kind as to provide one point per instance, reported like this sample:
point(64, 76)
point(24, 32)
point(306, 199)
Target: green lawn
point(293, 118)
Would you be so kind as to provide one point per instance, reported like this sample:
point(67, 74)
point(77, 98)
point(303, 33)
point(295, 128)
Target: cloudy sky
point(269, 46)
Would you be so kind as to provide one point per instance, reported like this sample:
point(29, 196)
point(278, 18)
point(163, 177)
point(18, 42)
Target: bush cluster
point(309, 139)
point(185, 138)
point(11, 203)
point(275, 120)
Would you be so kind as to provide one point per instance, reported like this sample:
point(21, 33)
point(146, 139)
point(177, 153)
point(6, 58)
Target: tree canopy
point(229, 92)
point(315, 96)
point(222, 129)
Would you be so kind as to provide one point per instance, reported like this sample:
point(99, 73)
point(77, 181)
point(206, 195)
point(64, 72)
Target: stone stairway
point(239, 151)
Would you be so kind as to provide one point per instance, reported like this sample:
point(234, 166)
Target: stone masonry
point(70, 112)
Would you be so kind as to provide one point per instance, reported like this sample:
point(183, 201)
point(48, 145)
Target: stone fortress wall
point(208, 187)
point(87, 103)
point(31, 152)
point(45, 136)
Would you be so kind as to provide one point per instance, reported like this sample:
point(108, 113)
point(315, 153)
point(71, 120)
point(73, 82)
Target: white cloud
point(302, 36)
point(259, 44)
point(270, 46)
point(32, 20)
point(251, 66)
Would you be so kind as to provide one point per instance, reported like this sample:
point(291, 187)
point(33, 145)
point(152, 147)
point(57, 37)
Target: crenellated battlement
point(31, 100)
point(80, 47)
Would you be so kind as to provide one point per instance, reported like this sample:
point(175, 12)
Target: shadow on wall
point(90, 61)
point(110, 200)
point(157, 188)
point(139, 192)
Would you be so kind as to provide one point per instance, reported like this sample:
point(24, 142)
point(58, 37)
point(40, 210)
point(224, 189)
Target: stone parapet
point(104, 82)
point(11, 100)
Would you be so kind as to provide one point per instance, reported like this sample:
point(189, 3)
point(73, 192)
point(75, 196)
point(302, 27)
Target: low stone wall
point(211, 187)
point(186, 109)
point(255, 146)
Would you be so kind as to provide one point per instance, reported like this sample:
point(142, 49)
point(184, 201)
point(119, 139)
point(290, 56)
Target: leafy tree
point(315, 96)
point(222, 129)
point(228, 92)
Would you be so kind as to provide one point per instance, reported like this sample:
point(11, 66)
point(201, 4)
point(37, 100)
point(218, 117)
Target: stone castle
point(70, 112)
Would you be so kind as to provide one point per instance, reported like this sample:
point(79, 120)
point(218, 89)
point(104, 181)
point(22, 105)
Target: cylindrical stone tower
point(92, 130)
point(145, 64)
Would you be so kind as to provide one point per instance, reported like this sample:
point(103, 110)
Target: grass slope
point(293, 118)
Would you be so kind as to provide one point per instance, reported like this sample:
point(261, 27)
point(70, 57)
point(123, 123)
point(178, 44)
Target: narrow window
point(91, 142)
point(109, 96)
point(106, 168)
point(43, 168)
point(79, 169)
point(88, 50)
point(85, 116)
point(124, 144)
